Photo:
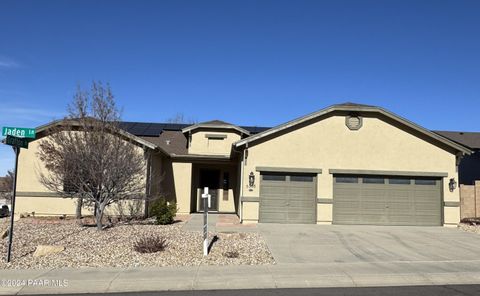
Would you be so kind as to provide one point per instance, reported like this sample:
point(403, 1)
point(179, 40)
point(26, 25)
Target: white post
point(206, 205)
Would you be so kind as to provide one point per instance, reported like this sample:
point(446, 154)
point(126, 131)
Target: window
point(373, 180)
point(399, 181)
point(346, 179)
point(425, 182)
point(272, 177)
point(226, 185)
point(301, 178)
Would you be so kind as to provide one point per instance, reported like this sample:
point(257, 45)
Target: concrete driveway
point(351, 244)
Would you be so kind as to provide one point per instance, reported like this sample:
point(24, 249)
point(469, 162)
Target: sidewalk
point(90, 280)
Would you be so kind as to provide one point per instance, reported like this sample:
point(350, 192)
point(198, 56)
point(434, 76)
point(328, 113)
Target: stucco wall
point(31, 193)
point(182, 177)
point(329, 144)
point(201, 144)
point(58, 206)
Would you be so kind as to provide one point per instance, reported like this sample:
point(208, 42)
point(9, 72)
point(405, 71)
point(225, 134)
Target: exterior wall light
point(251, 180)
point(452, 184)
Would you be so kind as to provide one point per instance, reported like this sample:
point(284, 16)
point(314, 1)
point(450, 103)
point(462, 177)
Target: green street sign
point(18, 132)
point(17, 142)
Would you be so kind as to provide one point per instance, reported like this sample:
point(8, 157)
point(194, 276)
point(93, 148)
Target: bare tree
point(7, 186)
point(180, 118)
point(88, 156)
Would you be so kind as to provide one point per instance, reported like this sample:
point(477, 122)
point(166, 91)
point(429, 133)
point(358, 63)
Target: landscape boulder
point(45, 250)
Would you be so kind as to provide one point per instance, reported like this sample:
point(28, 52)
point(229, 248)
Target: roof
point(151, 129)
point(217, 124)
point(467, 139)
point(122, 132)
point(172, 142)
point(170, 138)
point(352, 107)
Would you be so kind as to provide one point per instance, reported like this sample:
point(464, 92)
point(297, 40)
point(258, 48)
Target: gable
point(354, 110)
point(328, 142)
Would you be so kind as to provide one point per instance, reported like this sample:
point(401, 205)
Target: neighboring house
point(345, 164)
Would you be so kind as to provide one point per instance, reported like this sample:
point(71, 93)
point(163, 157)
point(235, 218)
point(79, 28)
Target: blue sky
point(246, 62)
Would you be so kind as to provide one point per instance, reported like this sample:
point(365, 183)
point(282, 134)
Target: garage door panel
point(274, 216)
point(288, 199)
point(387, 204)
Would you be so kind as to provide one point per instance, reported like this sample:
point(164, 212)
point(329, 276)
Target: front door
point(210, 179)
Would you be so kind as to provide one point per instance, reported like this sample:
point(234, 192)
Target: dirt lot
point(113, 247)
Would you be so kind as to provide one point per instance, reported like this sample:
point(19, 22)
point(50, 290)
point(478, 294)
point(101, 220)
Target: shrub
point(163, 211)
point(150, 244)
point(231, 254)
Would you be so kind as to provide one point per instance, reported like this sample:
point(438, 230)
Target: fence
point(470, 200)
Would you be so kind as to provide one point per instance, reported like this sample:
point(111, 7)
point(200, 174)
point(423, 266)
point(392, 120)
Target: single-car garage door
point(287, 198)
point(387, 200)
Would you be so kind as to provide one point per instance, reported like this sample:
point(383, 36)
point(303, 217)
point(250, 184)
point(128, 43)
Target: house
point(345, 164)
point(469, 168)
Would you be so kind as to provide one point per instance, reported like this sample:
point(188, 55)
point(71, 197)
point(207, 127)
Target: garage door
point(387, 200)
point(287, 198)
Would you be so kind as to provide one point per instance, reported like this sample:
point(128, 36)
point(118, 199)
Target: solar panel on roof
point(153, 130)
point(138, 129)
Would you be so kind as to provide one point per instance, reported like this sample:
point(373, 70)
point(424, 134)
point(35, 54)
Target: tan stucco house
point(345, 164)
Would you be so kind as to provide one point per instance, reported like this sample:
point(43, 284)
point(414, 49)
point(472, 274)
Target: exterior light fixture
point(251, 180)
point(452, 184)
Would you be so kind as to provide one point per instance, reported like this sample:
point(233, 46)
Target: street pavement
point(463, 290)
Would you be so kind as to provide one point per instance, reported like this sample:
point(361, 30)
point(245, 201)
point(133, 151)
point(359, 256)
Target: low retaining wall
point(470, 200)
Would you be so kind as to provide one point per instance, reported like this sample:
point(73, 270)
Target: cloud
point(8, 63)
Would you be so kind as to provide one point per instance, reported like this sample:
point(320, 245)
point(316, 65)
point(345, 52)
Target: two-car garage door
point(386, 200)
point(357, 199)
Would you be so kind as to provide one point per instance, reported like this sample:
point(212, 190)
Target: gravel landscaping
point(470, 227)
point(113, 247)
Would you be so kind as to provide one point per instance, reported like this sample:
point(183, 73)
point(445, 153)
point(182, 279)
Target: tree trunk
point(78, 212)
point(99, 216)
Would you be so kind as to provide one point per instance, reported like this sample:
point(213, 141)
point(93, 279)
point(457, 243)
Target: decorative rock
point(5, 233)
point(45, 250)
point(113, 247)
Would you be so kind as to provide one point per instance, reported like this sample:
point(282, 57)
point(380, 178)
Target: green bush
point(163, 211)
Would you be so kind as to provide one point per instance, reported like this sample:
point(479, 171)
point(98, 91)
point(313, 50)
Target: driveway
point(351, 244)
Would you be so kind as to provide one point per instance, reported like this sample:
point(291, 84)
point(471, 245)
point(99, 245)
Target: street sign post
point(12, 214)
point(206, 205)
point(18, 138)
point(19, 132)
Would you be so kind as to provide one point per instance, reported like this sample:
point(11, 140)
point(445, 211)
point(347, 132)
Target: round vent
point(353, 122)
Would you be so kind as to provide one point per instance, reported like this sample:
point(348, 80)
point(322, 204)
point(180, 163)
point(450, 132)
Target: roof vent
point(353, 122)
point(167, 141)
